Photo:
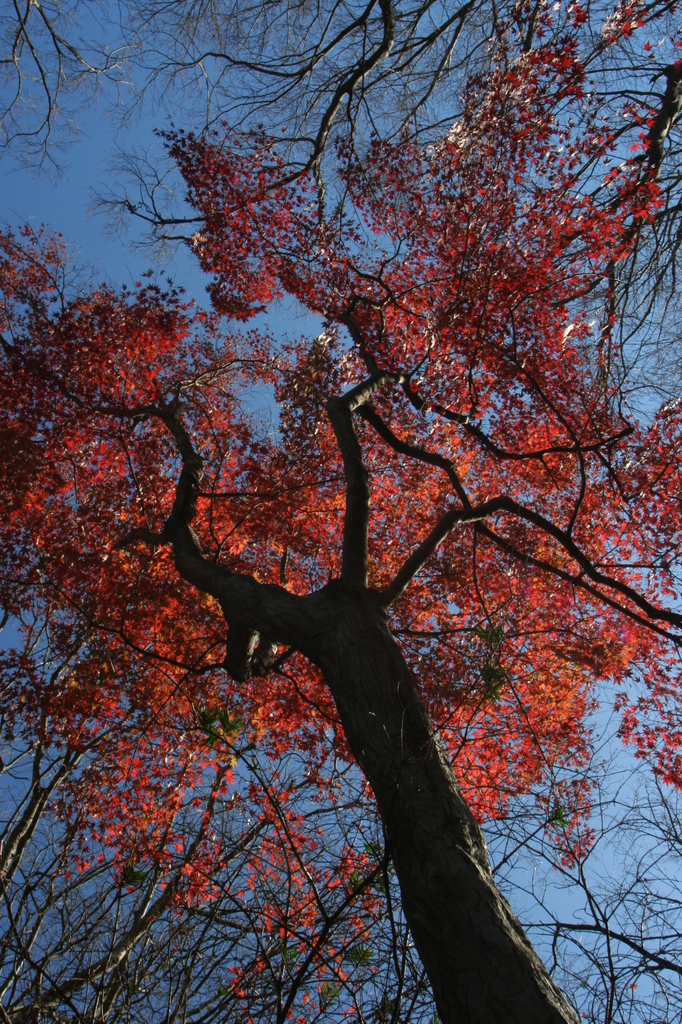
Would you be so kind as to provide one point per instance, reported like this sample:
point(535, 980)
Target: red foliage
point(471, 269)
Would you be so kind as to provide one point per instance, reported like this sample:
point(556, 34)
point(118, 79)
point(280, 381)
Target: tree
point(184, 957)
point(460, 384)
point(44, 60)
point(621, 939)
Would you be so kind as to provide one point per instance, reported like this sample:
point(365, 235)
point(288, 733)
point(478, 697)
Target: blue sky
point(62, 197)
point(61, 200)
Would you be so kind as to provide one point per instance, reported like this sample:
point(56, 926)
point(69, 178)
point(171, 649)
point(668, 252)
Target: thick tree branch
point(356, 522)
point(259, 616)
point(247, 653)
point(421, 554)
point(474, 431)
point(347, 87)
point(503, 504)
point(667, 116)
point(412, 451)
point(575, 580)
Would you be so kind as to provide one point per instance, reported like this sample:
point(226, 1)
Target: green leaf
point(493, 677)
point(492, 673)
point(131, 876)
point(356, 881)
point(374, 850)
point(360, 955)
point(217, 725)
point(559, 817)
point(229, 725)
point(386, 1006)
point(328, 993)
point(491, 635)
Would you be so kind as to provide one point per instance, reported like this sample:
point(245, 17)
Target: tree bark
point(482, 968)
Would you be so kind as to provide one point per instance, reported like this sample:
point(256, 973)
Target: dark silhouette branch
point(505, 504)
point(356, 522)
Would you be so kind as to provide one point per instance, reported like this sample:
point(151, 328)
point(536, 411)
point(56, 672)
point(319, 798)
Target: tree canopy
point(299, 615)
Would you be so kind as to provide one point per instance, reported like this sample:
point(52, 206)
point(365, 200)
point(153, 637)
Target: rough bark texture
point(481, 966)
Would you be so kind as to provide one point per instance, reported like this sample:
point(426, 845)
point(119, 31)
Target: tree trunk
point(481, 966)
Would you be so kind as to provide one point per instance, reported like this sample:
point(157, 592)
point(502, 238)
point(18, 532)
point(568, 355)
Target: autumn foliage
point(474, 275)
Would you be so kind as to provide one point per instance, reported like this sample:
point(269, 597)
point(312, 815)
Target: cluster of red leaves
point(469, 269)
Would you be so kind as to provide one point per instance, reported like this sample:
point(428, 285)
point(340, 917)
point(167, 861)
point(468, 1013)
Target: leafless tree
point(610, 922)
point(53, 55)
